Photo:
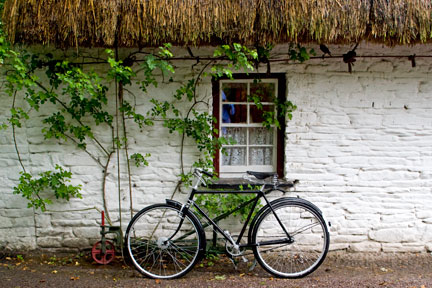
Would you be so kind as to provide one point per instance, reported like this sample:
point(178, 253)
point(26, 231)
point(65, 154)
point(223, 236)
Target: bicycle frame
point(157, 252)
point(260, 194)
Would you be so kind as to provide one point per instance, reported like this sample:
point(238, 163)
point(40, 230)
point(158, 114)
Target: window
point(257, 148)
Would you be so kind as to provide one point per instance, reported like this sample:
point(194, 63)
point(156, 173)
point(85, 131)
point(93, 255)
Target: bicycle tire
point(310, 234)
point(150, 248)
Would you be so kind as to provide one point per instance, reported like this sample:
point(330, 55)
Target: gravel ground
point(340, 269)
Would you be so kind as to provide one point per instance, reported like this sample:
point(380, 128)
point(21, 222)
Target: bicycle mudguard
point(274, 202)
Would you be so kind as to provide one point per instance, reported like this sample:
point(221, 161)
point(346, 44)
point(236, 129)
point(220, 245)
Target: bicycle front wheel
point(157, 248)
point(309, 245)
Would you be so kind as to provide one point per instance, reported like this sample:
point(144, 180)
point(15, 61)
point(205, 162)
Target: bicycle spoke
point(153, 252)
point(175, 261)
point(307, 227)
point(183, 250)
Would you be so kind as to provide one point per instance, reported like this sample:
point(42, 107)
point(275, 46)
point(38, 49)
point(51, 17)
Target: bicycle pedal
point(252, 267)
point(244, 259)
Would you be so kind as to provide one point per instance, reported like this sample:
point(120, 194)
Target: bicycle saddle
point(261, 175)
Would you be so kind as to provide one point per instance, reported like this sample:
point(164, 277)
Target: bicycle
point(289, 236)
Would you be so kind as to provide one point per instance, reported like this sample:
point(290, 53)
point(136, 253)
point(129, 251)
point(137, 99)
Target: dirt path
point(339, 270)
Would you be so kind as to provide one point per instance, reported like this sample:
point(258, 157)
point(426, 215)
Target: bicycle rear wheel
point(310, 238)
point(152, 248)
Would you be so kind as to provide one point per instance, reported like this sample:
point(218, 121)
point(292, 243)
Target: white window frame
point(239, 170)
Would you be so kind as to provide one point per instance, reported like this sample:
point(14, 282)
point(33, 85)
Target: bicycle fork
point(183, 210)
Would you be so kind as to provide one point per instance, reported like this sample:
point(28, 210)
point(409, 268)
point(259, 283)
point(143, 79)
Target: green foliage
point(151, 63)
point(139, 159)
point(32, 188)
point(299, 53)
point(264, 53)
point(118, 71)
point(131, 113)
point(240, 57)
point(217, 204)
point(17, 114)
point(271, 118)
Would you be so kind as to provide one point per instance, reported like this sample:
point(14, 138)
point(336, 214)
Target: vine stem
point(118, 140)
point(104, 188)
point(22, 165)
point(85, 150)
point(80, 210)
point(126, 148)
point(74, 210)
point(188, 114)
point(183, 136)
point(14, 136)
point(16, 146)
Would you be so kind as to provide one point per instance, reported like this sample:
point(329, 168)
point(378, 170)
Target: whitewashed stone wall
point(359, 143)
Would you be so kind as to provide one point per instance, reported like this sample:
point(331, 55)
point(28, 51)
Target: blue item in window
point(227, 110)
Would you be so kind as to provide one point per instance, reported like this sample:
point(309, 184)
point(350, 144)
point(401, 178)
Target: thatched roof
point(132, 23)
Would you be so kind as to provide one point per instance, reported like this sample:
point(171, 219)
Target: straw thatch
point(132, 23)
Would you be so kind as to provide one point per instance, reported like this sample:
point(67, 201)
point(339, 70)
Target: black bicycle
point(289, 236)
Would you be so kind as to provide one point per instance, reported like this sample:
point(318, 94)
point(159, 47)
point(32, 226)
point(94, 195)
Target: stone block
point(5, 223)
point(86, 232)
point(49, 242)
point(76, 243)
point(394, 235)
point(23, 222)
point(338, 246)
point(368, 246)
point(399, 248)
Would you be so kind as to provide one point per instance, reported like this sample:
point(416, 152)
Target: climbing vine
point(82, 100)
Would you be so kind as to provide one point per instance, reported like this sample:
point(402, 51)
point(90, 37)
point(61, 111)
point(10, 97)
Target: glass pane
point(257, 114)
point(234, 157)
point(259, 136)
point(234, 92)
point(234, 113)
point(238, 134)
point(261, 156)
point(266, 91)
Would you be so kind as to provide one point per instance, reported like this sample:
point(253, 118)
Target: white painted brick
point(394, 235)
point(390, 247)
point(365, 247)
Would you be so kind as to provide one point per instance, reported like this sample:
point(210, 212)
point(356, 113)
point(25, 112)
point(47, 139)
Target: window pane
point(234, 113)
point(266, 91)
point(259, 136)
point(261, 156)
point(234, 92)
point(234, 157)
point(238, 134)
point(257, 114)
